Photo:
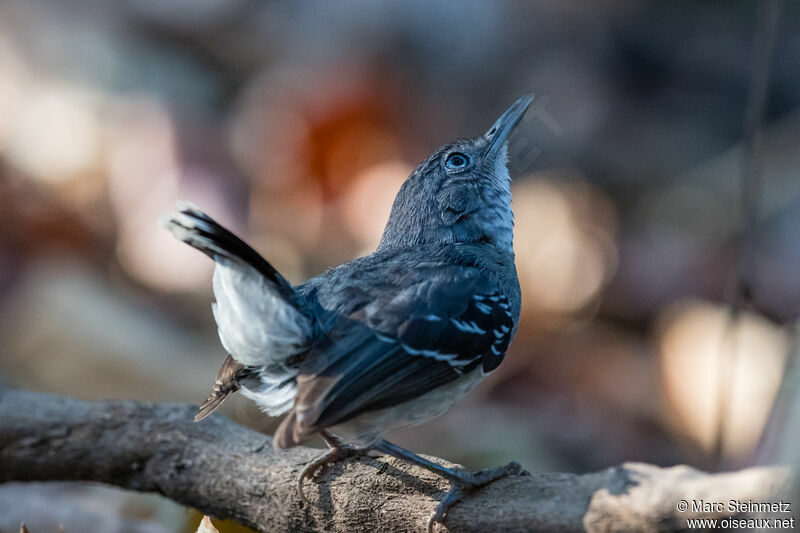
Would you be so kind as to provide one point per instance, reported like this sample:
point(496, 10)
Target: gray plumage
point(386, 340)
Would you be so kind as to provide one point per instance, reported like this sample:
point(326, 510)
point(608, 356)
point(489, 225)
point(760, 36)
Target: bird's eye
point(456, 161)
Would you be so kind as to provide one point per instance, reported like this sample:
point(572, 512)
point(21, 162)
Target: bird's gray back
point(380, 277)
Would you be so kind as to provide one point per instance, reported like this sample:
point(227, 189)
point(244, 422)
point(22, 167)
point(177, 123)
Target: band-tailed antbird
point(385, 341)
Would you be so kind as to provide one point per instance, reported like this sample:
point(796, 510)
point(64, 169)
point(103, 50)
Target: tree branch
point(228, 471)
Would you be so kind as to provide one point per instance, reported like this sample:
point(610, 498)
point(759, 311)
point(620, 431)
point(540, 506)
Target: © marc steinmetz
point(389, 340)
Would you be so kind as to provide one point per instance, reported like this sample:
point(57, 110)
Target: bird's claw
point(333, 455)
point(466, 483)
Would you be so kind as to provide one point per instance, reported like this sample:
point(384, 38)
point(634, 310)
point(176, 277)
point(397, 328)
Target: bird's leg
point(337, 451)
point(462, 481)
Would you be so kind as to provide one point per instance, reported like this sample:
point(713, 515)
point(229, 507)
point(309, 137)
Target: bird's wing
point(401, 345)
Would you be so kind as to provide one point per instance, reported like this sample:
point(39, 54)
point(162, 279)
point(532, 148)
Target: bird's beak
point(499, 133)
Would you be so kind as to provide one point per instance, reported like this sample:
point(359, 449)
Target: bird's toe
point(333, 455)
point(468, 482)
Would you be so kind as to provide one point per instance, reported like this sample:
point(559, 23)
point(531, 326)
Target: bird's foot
point(462, 483)
point(333, 455)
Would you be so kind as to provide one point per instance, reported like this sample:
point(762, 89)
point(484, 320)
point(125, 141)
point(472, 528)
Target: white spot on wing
point(467, 327)
point(435, 354)
point(384, 338)
point(483, 308)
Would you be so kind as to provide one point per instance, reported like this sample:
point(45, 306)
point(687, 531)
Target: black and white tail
point(259, 318)
point(197, 229)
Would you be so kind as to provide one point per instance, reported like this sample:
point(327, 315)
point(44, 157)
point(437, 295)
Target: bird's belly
point(367, 427)
point(274, 397)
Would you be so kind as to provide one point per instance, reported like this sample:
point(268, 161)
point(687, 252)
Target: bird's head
point(461, 193)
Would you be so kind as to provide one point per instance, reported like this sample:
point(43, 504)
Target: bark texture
point(229, 471)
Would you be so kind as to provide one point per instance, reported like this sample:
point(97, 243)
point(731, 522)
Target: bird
point(388, 340)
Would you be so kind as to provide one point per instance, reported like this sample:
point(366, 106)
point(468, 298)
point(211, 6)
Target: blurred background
point(295, 124)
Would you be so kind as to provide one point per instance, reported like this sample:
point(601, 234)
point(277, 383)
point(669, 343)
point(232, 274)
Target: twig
point(223, 470)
